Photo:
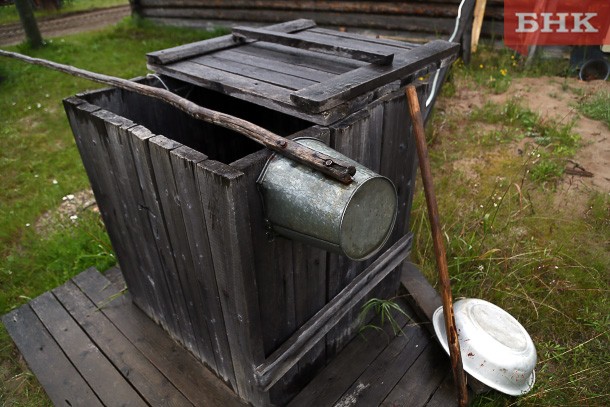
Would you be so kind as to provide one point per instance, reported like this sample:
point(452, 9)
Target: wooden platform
point(88, 345)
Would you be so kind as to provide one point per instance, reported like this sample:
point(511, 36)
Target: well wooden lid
point(300, 69)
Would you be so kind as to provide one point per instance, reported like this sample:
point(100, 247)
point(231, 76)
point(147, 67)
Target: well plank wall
point(187, 225)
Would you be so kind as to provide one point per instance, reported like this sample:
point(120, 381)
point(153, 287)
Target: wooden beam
point(287, 355)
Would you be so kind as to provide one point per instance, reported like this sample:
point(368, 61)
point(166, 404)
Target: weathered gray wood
point(87, 136)
point(181, 368)
point(300, 57)
point(138, 143)
point(309, 334)
point(40, 352)
point(422, 379)
point(181, 270)
point(202, 47)
point(328, 46)
point(121, 164)
point(334, 168)
point(204, 289)
point(380, 377)
point(420, 294)
point(365, 38)
point(331, 93)
point(445, 394)
point(354, 42)
point(222, 194)
point(330, 384)
point(275, 65)
point(151, 384)
point(87, 358)
point(265, 74)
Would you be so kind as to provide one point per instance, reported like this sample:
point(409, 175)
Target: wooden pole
point(332, 167)
point(479, 13)
point(26, 15)
point(459, 375)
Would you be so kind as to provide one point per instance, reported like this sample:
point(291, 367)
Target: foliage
point(9, 15)
point(41, 168)
point(596, 106)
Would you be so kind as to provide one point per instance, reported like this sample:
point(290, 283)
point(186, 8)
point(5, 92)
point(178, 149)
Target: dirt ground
point(548, 97)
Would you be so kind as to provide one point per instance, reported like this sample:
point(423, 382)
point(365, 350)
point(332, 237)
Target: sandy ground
point(556, 98)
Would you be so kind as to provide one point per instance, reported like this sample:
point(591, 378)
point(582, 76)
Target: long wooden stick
point(332, 167)
point(459, 375)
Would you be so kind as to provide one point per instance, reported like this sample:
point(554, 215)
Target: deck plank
point(332, 382)
point(46, 359)
point(374, 384)
point(422, 379)
point(191, 377)
point(143, 375)
point(91, 363)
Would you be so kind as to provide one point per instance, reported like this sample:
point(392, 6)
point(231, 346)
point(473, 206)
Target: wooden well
point(179, 199)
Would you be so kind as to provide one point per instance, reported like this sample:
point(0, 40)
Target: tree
point(24, 8)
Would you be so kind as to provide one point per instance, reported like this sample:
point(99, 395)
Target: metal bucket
point(302, 204)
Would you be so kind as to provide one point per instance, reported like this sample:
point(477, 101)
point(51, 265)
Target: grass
point(9, 15)
point(40, 165)
point(596, 106)
point(510, 239)
point(507, 240)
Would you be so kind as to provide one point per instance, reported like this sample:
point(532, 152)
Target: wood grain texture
point(186, 373)
point(40, 352)
point(321, 97)
point(204, 289)
point(87, 358)
point(316, 328)
point(153, 386)
point(223, 197)
point(328, 45)
point(202, 47)
point(330, 384)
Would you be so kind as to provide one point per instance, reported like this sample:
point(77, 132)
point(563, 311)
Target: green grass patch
point(596, 106)
point(40, 165)
point(9, 15)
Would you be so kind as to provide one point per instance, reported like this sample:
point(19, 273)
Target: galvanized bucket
point(303, 204)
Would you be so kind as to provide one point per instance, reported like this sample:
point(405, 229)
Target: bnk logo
point(556, 22)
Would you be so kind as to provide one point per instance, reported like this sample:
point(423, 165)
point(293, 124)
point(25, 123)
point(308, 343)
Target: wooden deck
point(88, 345)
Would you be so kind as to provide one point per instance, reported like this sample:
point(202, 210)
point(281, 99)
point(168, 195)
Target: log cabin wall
point(413, 20)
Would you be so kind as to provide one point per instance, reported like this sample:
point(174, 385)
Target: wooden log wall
point(180, 204)
point(415, 19)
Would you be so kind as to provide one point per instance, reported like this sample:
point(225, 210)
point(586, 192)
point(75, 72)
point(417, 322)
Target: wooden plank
point(365, 38)
point(275, 65)
point(181, 368)
point(225, 206)
point(327, 46)
point(300, 57)
point(87, 133)
point(380, 377)
point(422, 379)
point(107, 382)
point(115, 276)
point(330, 384)
point(355, 42)
point(173, 311)
point(205, 293)
point(181, 271)
point(202, 47)
point(445, 395)
point(264, 74)
point(331, 93)
point(421, 295)
point(41, 352)
point(309, 334)
point(151, 384)
point(119, 157)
